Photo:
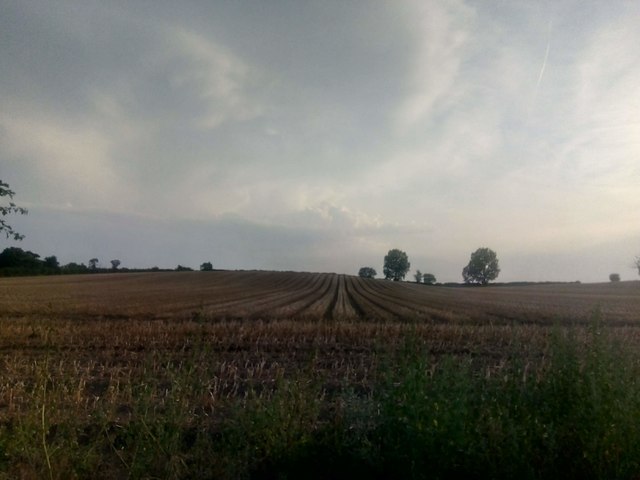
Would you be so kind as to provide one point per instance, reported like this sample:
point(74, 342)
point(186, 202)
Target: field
point(310, 296)
point(269, 374)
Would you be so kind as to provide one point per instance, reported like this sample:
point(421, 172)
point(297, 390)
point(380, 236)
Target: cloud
point(325, 134)
point(441, 30)
point(72, 160)
point(216, 76)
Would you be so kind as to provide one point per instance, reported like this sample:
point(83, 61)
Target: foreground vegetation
point(198, 395)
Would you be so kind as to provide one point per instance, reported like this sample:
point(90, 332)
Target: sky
point(316, 136)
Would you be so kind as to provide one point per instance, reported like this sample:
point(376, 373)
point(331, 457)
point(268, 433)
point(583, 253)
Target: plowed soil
point(310, 296)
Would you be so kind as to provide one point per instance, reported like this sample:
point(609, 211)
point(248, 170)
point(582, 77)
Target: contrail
point(544, 62)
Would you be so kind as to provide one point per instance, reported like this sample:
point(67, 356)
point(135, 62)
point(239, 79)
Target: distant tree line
point(15, 262)
point(482, 268)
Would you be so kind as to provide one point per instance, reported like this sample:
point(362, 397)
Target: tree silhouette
point(5, 210)
point(482, 268)
point(367, 272)
point(396, 265)
point(418, 276)
point(429, 278)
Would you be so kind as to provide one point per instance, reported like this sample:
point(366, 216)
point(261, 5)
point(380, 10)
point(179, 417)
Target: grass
point(572, 416)
point(566, 408)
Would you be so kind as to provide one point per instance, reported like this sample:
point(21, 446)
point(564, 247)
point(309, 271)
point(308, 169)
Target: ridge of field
point(310, 296)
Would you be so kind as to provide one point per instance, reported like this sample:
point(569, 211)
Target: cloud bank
point(317, 137)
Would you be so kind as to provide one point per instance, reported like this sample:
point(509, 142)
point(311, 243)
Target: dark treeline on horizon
point(15, 262)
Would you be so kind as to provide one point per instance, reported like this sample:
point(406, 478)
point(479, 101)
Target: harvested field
point(97, 365)
point(310, 296)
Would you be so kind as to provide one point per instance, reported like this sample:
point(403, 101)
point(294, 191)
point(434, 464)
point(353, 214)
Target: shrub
point(367, 272)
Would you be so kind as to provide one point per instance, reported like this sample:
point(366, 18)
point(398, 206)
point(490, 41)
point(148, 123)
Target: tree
point(367, 272)
point(93, 264)
point(5, 210)
point(614, 277)
point(482, 268)
point(72, 268)
point(396, 265)
point(429, 278)
point(51, 264)
point(637, 264)
point(418, 276)
point(115, 264)
point(19, 260)
point(206, 267)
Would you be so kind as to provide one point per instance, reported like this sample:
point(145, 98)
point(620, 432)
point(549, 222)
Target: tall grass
point(572, 410)
point(574, 414)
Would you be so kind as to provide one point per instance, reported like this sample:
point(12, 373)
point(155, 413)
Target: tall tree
point(5, 210)
point(482, 268)
point(396, 265)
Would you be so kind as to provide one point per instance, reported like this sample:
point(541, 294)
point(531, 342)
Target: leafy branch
point(5, 210)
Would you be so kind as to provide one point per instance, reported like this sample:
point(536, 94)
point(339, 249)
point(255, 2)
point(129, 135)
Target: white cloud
point(218, 78)
point(607, 69)
point(441, 28)
point(72, 160)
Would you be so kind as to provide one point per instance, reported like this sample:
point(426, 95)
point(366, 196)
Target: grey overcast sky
point(317, 135)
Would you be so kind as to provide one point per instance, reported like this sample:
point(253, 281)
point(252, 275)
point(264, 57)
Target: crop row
point(311, 296)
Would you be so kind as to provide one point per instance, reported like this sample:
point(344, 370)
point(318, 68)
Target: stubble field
point(253, 374)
